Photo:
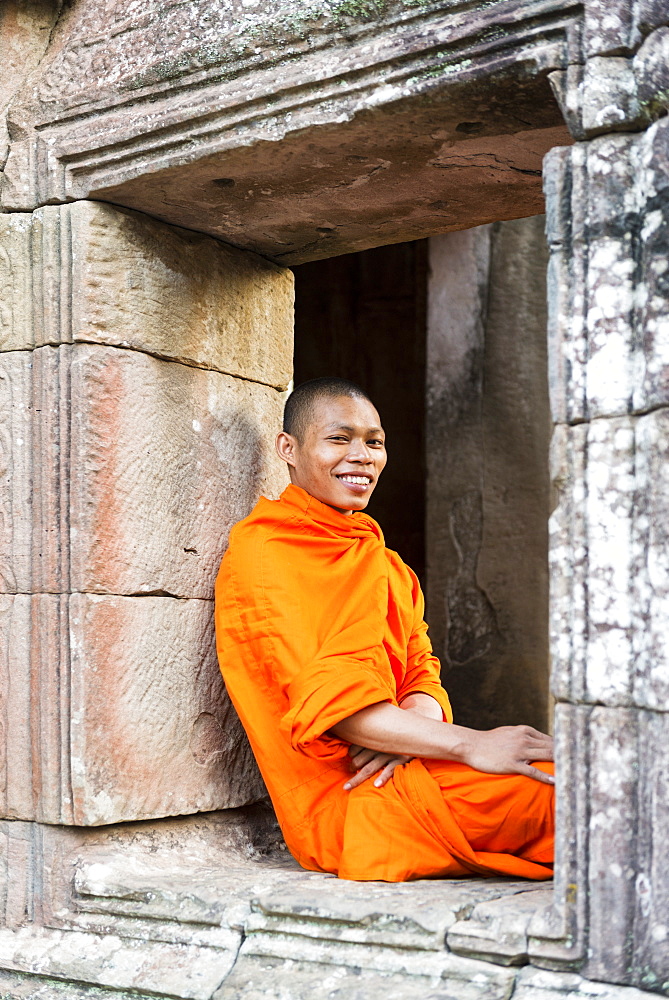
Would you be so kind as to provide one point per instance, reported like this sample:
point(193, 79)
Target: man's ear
point(285, 447)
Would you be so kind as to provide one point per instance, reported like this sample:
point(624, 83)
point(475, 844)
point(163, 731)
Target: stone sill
point(261, 927)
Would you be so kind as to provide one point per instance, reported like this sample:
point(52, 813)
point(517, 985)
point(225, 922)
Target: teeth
point(356, 480)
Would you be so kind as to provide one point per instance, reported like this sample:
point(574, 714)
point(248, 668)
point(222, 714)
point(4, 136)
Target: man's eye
point(338, 439)
point(375, 441)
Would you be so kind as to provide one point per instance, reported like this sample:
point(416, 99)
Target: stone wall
point(140, 382)
point(488, 495)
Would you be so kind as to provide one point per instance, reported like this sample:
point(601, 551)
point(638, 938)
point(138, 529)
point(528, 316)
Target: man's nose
point(359, 452)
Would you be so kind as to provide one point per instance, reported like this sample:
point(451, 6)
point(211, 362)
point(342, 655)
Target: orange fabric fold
point(316, 619)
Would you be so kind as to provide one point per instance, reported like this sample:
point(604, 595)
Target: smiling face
point(341, 455)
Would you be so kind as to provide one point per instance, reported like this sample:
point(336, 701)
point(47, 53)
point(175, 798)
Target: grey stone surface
point(207, 127)
point(537, 984)
point(18, 986)
point(558, 933)
point(487, 433)
point(410, 915)
point(271, 978)
point(496, 930)
point(607, 226)
point(182, 971)
point(609, 562)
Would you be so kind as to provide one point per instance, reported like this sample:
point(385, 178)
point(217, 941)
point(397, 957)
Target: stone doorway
point(448, 335)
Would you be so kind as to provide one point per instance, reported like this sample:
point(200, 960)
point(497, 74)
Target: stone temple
point(199, 198)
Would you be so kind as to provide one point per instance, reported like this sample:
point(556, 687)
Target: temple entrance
point(448, 335)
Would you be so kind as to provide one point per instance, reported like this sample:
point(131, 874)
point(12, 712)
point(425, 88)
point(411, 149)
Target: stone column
point(140, 382)
point(488, 430)
point(608, 212)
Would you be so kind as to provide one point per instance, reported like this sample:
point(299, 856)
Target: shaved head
point(299, 408)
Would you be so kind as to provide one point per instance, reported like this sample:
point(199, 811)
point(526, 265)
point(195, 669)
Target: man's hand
point(369, 762)
point(509, 750)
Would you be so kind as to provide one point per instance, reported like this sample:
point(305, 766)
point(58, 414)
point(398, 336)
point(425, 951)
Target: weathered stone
point(628, 933)
point(609, 27)
point(496, 931)
point(610, 100)
point(18, 986)
point(463, 977)
point(16, 459)
point(206, 127)
point(536, 984)
point(150, 515)
point(95, 273)
point(271, 978)
point(412, 915)
point(152, 731)
point(185, 972)
point(488, 498)
point(608, 342)
point(558, 934)
point(127, 713)
point(193, 451)
point(609, 562)
point(651, 73)
point(25, 31)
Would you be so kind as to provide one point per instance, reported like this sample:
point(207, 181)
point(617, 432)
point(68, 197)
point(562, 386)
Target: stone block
point(286, 955)
point(629, 823)
point(538, 984)
point(496, 930)
point(241, 127)
point(118, 711)
point(609, 27)
point(271, 978)
point(152, 730)
point(184, 972)
point(557, 933)
point(651, 73)
point(125, 473)
point(609, 96)
point(415, 916)
point(16, 461)
point(610, 574)
point(192, 451)
point(611, 895)
point(22, 986)
point(608, 229)
point(91, 272)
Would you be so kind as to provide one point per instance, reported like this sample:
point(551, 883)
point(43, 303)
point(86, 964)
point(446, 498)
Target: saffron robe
point(315, 620)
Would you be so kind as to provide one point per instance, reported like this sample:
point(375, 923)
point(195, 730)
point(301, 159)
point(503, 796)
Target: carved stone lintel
point(208, 131)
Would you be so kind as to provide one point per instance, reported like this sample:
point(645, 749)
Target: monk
point(325, 655)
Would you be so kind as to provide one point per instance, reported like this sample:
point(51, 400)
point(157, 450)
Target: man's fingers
point(387, 772)
point(365, 772)
point(542, 753)
point(534, 772)
point(363, 757)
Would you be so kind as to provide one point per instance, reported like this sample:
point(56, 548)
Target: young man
point(325, 654)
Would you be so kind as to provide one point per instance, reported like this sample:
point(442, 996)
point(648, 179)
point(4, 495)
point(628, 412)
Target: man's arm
point(388, 729)
point(423, 704)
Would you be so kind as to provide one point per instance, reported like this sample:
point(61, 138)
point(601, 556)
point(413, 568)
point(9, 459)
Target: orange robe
point(316, 619)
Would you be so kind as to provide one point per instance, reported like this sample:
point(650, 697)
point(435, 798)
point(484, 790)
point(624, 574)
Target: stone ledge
point(161, 919)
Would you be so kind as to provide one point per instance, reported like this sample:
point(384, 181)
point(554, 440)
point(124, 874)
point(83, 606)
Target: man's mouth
point(357, 483)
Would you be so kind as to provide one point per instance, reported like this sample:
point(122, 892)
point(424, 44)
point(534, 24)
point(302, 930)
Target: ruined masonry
point(163, 163)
